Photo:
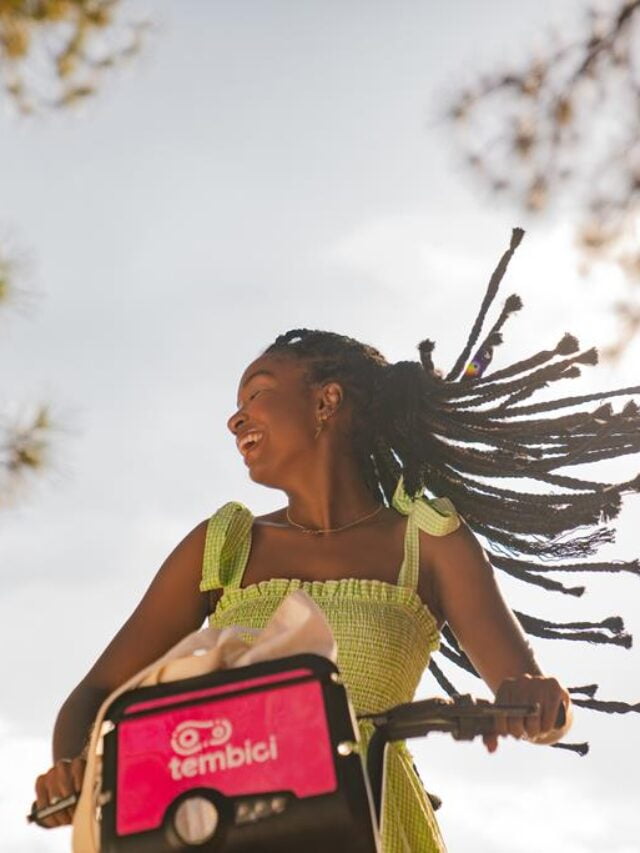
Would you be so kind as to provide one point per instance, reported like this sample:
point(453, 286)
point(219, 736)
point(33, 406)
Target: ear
point(330, 398)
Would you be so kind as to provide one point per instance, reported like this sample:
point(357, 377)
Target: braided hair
point(457, 434)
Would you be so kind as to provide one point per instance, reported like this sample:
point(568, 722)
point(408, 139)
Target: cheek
point(289, 441)
point(289, 424)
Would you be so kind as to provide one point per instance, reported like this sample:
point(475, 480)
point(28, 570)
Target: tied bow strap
point(436, 516)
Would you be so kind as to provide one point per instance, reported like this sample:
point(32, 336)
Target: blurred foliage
point(52, 52)
point(24, 445)
point(564, 128)
point(24, 439)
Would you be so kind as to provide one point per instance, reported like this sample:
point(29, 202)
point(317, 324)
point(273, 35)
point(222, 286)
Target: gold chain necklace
point(334, 529)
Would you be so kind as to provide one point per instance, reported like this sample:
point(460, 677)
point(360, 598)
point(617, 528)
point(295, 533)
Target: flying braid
point(468, 436)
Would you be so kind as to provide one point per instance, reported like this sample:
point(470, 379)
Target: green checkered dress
point(384, 634)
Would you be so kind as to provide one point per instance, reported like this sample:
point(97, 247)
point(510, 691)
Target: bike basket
point(259, 758)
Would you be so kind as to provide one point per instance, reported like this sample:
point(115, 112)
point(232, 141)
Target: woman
point(352, 441)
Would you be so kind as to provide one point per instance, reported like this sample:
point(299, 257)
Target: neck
point(330, 496)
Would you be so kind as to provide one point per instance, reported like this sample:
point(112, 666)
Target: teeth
point(249, 438)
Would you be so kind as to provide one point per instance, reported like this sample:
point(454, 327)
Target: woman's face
point(276, 404)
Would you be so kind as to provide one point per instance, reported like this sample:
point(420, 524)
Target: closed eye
point(251, 396)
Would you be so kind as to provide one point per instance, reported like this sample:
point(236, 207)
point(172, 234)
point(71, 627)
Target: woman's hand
point(486, 629)
point(62, 780)
point(550, 722)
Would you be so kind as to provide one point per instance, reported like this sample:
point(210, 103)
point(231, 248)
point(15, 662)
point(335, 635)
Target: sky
point(261, 167)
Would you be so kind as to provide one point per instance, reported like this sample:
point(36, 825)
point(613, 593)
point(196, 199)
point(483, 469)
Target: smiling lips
point(248, 441)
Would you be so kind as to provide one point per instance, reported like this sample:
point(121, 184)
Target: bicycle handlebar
point(464, 717)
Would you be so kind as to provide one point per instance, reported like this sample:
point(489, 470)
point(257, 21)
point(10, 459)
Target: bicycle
point(263, 757)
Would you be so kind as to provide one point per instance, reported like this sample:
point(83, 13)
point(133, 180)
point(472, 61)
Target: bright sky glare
point(264, 167)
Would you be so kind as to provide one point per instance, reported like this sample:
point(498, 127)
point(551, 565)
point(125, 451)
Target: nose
point(235, 422)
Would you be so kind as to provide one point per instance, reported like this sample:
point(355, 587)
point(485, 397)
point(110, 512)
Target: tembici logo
point(193, 739)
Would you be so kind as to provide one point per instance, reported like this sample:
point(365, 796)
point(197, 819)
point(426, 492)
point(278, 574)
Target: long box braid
point(451, 434)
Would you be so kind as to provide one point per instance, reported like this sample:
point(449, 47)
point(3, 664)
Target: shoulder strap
point(226, 548)
point(436, 516)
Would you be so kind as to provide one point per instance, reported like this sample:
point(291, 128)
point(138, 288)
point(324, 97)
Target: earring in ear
point(320, 427)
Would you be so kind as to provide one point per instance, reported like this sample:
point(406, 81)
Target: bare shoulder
point(449, 566)
point(460, 542)
point(192, 543)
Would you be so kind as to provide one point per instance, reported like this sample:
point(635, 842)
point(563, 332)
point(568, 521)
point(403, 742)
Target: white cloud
point(401, 251)
point(533, 815)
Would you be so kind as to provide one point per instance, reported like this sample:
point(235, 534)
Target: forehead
point(283, 369)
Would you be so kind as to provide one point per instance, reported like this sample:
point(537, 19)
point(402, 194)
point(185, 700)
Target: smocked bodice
point(383, 631)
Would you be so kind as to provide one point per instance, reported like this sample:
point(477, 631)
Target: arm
point(470, 601)
point(171, 607)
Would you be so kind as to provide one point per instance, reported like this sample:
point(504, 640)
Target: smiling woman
point(353, 442)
